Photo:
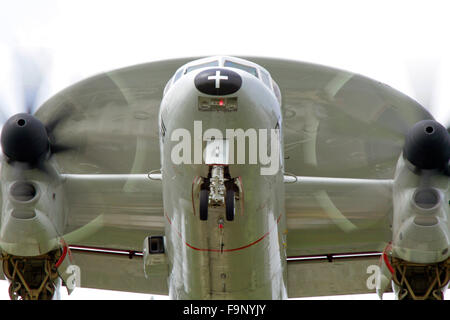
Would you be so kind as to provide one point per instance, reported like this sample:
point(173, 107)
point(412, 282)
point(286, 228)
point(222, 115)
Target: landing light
point(217, 104)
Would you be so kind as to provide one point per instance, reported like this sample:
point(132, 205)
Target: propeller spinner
point(25, 139)
point(427, 145)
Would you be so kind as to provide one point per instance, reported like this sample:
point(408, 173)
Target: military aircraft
point(226, 178)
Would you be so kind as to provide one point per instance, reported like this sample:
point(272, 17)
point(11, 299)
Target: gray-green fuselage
point(219, 259)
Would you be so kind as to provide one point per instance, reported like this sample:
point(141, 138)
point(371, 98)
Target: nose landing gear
point(218, 190)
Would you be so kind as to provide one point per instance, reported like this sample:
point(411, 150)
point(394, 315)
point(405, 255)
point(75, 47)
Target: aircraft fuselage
point(218, 258)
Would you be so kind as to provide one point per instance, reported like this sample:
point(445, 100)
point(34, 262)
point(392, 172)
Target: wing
point(337, 228)
point(110, 216)
point(115, 270)
point(113, 211)
point(336, 125)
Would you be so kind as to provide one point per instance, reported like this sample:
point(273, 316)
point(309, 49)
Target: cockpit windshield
point(248, 69)
point(256, 71)
point(214, 63)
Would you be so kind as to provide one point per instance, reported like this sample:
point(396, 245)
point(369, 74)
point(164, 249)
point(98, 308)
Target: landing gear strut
point(420, 281)
point(31, 278)
point(218, 190)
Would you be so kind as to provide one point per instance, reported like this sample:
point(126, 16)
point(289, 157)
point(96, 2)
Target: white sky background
point(380, 39)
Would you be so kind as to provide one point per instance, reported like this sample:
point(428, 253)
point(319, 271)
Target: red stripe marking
point(220, 250)
point(63, 256)
point(386, 259)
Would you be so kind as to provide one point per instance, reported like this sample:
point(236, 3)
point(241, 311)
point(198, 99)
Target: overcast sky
point(385, 40)
point(394, 42)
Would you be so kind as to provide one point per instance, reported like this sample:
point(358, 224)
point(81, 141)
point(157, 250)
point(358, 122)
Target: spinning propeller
point(26, 141)
point(427, 144)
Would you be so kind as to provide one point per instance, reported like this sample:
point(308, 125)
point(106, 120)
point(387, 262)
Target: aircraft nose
point(218, 81)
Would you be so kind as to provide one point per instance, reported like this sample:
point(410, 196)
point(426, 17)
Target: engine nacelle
point(421, 226)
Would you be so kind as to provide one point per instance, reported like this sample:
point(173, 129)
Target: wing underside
point(308, 276)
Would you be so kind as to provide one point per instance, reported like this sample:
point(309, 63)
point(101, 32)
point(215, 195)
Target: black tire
point(229, 204)
point(204, 198)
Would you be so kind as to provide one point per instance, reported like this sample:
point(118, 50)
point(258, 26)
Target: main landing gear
point(218, 190)
point(413, 281)
point(31, 278)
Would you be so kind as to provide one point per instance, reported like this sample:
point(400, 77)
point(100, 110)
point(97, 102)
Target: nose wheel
point(218, 190)
point(204, 203)
point(229, 205)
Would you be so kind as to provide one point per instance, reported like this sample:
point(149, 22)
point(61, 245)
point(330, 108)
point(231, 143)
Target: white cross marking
point(218, 77)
